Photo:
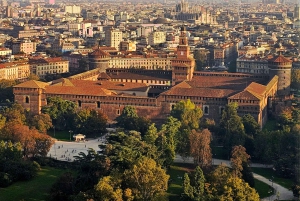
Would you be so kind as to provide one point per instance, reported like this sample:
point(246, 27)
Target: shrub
point(5, 179)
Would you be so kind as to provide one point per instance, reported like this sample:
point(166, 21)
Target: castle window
point(79, 103)
point(118, 111)
point(27, 99)
point(98, 104)
point(206, 109)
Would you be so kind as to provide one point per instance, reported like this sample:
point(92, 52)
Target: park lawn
point(36, 189)
point(268, 173)
point(60, 135)
point(176, 173)
point(263, 189)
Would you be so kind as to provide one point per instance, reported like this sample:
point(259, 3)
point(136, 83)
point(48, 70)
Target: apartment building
point(113, 37)
point(157, 37)
point(25, 46)
point(44, 66)
point(252, 64)
point(5, 51)
point(14, 70)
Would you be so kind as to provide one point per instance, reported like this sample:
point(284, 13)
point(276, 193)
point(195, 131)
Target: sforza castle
point(154, 92)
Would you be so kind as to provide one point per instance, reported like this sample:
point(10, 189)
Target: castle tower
point(281, 67)
point(99, 59)
point(31, 95)
point(183, 66)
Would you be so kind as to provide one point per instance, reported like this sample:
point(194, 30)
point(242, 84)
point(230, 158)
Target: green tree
point(189, 116)
point(194, 190)
point(90, 122)
point(61, 112)
point(199, 183)
point(250, 124)
point(128, 119)
point(125, 149)
point(187, 188)
point(167, 140)
point(231, 127)
point(151, 134)
point(146, 179)
point(187, 113)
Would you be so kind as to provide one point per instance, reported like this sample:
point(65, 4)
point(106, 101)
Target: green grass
point(268, 173)
point(176, 173)
point(34, 190)
point(60, 135)
point(263, 189)
point(270, 125)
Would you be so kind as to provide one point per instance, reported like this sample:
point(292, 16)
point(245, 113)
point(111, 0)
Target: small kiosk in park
point(79, 137)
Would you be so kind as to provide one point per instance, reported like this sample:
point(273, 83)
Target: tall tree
point(189, 115)
point(199, 183)
point(231, 127)
point(167, 140)
point(147, 180)
point(238, 157)
point(200, 147)
point(187, 188)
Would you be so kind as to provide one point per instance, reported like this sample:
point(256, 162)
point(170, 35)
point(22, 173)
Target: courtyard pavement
point(65, 151)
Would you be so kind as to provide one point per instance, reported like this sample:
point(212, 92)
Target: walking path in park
point(280, 192)
point(65, 151)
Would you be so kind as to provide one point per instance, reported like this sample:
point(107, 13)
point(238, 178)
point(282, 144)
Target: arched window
point(79, 103)
point(98, 104)
point(26, 99)
point(206, 110)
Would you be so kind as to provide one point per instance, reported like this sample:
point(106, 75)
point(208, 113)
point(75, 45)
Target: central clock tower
point(184, 64)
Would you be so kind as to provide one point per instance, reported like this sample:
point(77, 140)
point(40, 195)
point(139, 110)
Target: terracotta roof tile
point(280, 59)
point(245, 95)
point(94, 91)
point(32, 84)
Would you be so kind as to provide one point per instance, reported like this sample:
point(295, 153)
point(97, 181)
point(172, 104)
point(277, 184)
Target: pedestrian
point(62, 145)
point(85, 145)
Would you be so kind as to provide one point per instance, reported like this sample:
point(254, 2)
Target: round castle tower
point(281, 67)
point(99, 59)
